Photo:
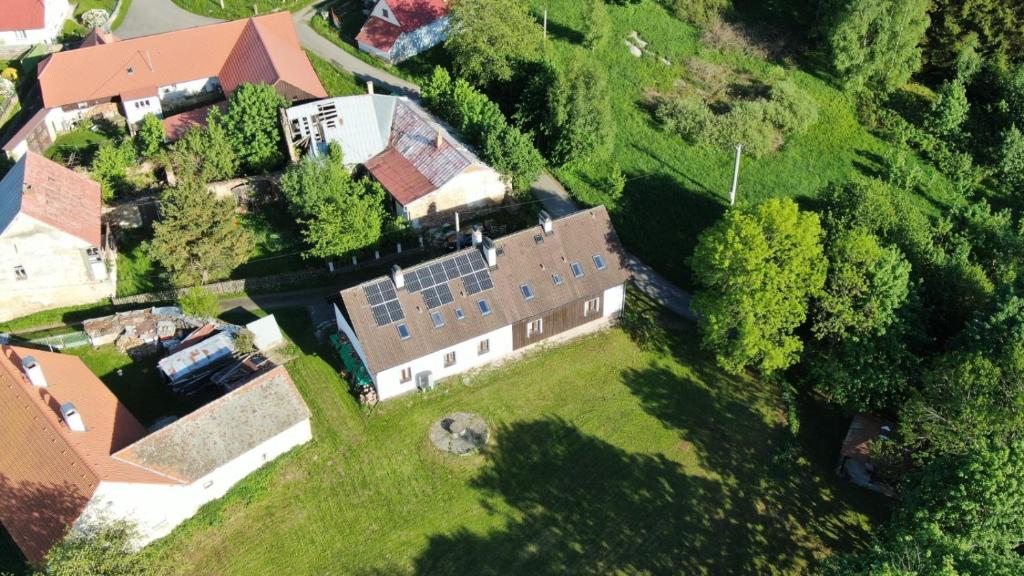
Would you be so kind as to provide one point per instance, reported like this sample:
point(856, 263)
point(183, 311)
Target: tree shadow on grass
point(783, 516)
point(583, 506)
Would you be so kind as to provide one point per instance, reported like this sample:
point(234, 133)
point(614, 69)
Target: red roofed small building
point(24, 23)
point(71, 453)
point(400, 29)
point(164, 74)
point(51, 250)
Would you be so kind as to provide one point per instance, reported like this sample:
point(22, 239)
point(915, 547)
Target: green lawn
point(76, 148)
point(336, 81)
point(234, 9)
point(675, 190)
point(604, 459)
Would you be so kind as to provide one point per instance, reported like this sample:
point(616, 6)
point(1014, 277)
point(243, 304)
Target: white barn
point(563, 278)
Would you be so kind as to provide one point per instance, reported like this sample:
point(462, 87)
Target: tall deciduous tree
point(598, 25)
point(338, 214)
point(150, 136)
point(204, 154)
point(875, 43)
point(1011, 159)
point(488, 37)
point(950, 110)
point(758, 270)
point(198, 238)
point(579, 122)
point(252, 125)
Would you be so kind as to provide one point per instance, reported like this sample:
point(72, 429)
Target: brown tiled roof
point(47, 472)
point(176, 126)
point(22, 15)
point(577, 237)
point(261, 49)
point(398, 176)
point(50, 193)
point(379, 33)
point(98, 37)
point(222, 430)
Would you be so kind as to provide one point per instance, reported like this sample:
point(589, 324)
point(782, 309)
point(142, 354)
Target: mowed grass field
point(603, 459)
point(675, 190)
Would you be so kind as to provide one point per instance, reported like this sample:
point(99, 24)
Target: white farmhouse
point(73, 454)
point(24, 23)
point(558, 280)
point(427, 172)
point(51, 248)
point(400, 29)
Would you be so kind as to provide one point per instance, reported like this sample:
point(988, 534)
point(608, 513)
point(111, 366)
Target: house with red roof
point(421, 164)
point(400, 29)
point(164, 74)
point(51, 249)
point(24, 23)
point(72, 455)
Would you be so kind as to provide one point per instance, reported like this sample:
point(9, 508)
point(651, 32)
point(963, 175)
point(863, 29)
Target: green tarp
point(354, 366)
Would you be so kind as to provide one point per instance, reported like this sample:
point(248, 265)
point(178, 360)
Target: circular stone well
point(459, 433)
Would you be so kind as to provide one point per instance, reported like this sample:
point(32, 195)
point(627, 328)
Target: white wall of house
point(389, 382)
point(385, 56)
point(346, 329)
point(158, 508)
point(56, 270)
point(473, 188)
point(182, 90)
point(59, 121)
point(383, 10)
point(613, 300)
point(57, 11)
point(134, 110)
point(424, 38)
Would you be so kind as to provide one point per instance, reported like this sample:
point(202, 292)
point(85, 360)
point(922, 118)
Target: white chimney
point(71, 417)
point(369, 86)
point(397, 277)
point(34, 371)
point(478, 236)
point(490, 252)
point(440, 138)
point(544, 219)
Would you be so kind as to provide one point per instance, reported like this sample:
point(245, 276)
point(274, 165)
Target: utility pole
point(735, 175)
point(458, 233)
point(545, 26)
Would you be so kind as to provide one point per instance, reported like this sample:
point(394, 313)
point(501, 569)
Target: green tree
point(110, 167)
point(99, 549)
point(950, 110)
point(1011, 159)
point(758, 270)
point(488, 37)
point(991, 27)
point(338, 214)
point(252, 126)
point(875, 44)
point(579, 122)
point(204, 154)
point(598, 25)
point(699, 12)
point(198, 301)
point(867, 283)
point(198, 238)
point(511, 152)
point(150, 137)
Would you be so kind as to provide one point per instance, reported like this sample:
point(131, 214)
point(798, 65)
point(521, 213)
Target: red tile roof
point(22, 15)
point(176, 126)
point(47, 472)
point(261, 49)
point(379, 33)
point(399, 177)
point(98, 37)
point(54, 195)
point(415, 14)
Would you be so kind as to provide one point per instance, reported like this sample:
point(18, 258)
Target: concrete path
point(327, 50)
point(553, 196)
point(147, 17)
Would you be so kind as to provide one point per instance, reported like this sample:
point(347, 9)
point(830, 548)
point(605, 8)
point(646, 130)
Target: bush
point(198, 301)
point(95, 18)
point(110, 167)
point(700, 12)
point(6, 89)
point(10, 74)
point(150, 136)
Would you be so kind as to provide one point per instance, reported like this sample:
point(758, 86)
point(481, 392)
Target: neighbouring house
point(426, 170)
point(165, 74)
point(52, 251)
point(73, 454)
point(555, 281)
point(400, 29)
point(856, 461)
point(24, 23)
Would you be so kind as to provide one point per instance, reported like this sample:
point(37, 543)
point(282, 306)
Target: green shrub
point(791, 109)
point(110, 167)
point(198, 301)
point(150, 136)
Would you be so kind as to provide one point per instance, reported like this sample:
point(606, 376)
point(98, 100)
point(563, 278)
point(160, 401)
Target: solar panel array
point(384, 302)
point(432, 280)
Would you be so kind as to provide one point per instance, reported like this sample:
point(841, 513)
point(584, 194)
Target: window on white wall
point(535, 327)
point(21, 34)
point(406, 374)
point(485, 347)
point(592, 306)
point(19, 273)
point(449, 359)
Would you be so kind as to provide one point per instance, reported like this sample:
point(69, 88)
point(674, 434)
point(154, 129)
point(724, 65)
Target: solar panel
point(430, 298)
point(395, 310)
point(375, 298)
point(371, 289)
point(387, 290)
point(471, 283)
point(412, 284)
point(384, 302)
point(451, 269)
point(380, 314)
point(432, 280)
point(477, 260)
point(437, 270)
point(445, 294)
point(464, 265)
point(485, 282)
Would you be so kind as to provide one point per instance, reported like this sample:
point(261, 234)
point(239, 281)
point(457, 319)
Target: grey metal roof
point(575, 238)
point(10, 194)
point(223, 430)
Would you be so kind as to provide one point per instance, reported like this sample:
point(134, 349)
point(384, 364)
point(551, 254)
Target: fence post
point(330, 265)
point(354, 261)
point(376, 254)
point(399, 247)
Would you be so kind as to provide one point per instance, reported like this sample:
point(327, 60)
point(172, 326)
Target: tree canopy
point(758, 270)
point(489, 37)
point(252, 126)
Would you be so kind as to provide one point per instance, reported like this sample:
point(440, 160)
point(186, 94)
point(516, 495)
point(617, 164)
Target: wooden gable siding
point(556, 321)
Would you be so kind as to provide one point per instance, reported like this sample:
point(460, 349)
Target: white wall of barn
point(158, 508)
point(57, 272)
point(613, 300)
point(473, 188)
point(389, 382)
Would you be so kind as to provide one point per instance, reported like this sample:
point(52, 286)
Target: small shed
point(855, 461)
point(266, 334)
point(190, 361)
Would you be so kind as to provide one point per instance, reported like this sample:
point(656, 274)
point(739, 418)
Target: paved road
point(147, 17)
